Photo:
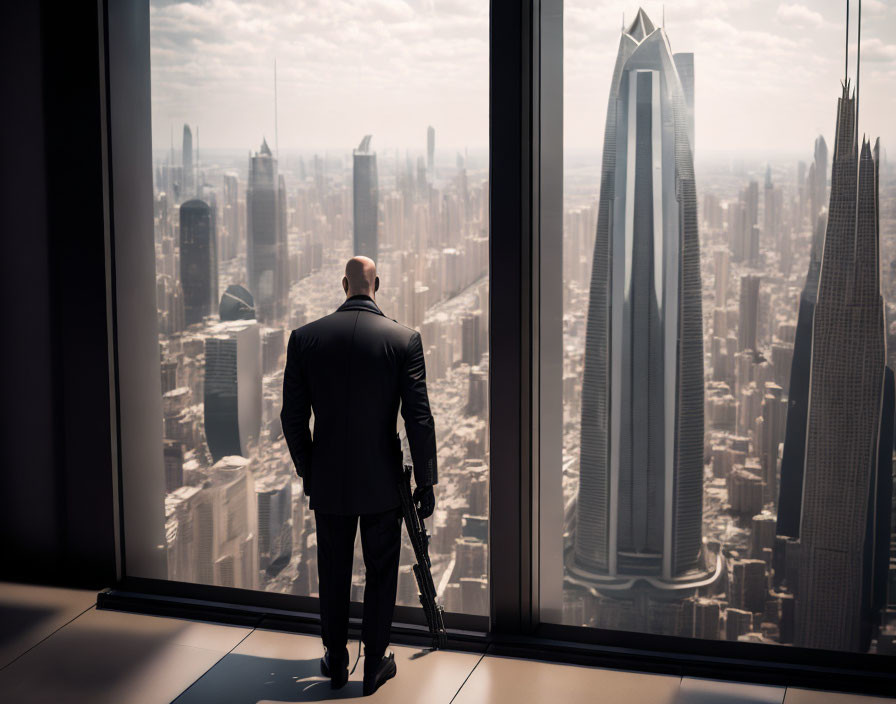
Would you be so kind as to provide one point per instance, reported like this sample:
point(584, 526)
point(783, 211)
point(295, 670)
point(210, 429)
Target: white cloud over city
point(767, 72)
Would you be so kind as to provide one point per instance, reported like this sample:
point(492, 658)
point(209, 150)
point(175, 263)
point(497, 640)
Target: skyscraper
point(793, 457)
point(431, 151)
point(847, 474)
point(639, 507)
point(748, 328)
point(770, 216)
point(232, 387)
point(188, 188)
point(751, 228)
point(231, 241)
point(198, 260)
point(819, 183)
point(366, 200)
point(223, 526)
point(281, 280)
point(265, 236)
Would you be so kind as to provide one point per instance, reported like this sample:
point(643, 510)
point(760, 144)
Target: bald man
point(352, 369)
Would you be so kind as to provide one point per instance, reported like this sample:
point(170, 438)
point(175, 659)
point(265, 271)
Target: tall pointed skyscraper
point(365, 204)
point(640, 499)
point(265, 236)
point(847, 476)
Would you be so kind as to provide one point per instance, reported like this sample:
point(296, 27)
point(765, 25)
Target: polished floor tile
point(270, 666)
point(811, 696)
point(698, 691)
point(107, 656)
point(28, 614)
point(499, 680)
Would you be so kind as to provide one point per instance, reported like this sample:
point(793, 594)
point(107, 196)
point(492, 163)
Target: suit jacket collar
point(360, 302)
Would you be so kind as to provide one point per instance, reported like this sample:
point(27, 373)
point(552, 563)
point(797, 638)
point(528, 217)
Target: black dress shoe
point(339, 675)
point(374, 677)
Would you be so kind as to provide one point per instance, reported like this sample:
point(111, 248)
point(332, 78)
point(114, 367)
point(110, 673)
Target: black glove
point(425, 500)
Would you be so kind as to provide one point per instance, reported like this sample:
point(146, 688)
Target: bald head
point(360, 277)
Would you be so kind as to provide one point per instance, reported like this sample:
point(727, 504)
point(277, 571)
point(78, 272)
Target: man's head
point(360, 277)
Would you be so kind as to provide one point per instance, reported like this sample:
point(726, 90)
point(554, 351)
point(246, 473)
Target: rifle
point(420, 541)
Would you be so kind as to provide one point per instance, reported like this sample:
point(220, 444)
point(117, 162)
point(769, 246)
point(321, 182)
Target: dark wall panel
point(56, 508)
point(28, 517)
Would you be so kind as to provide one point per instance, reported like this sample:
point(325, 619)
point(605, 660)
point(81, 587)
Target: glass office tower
point(365, 200)
point(266, 236)
point(639, 508)
point(232, 388)
point(198, 260)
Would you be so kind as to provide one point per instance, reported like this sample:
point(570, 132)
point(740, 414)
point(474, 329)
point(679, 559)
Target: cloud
point(800, 15)
point(343, 67)
point(765, 70)
point(877, 51)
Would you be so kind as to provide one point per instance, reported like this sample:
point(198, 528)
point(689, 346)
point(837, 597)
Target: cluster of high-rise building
point(727, 422)
point(238, 267)
point(730, 476)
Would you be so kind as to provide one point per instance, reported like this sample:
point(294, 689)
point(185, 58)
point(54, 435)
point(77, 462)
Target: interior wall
point(56, 488)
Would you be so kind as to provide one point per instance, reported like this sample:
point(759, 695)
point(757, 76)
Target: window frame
point(525, 204)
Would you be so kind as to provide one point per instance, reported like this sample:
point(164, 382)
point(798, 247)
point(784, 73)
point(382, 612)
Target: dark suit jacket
point(352, 368)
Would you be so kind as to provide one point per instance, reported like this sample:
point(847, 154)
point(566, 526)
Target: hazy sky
point(767, 72)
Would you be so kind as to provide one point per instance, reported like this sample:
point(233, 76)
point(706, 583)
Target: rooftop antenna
point(276, 134)
point(858, 70)
point(623, 21)
point(858, 162)
point(846, 53)
point(664, 16)
point(196, 177)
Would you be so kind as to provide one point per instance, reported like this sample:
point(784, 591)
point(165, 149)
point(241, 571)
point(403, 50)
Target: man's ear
point(376, 284)
point(345, 284)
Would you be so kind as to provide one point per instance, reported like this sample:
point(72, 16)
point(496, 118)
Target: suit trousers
point(381, 544)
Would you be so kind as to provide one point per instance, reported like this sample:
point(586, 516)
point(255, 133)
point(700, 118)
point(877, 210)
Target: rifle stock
point(420, 542)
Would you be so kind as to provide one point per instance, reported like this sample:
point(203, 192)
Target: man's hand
point(424, 496)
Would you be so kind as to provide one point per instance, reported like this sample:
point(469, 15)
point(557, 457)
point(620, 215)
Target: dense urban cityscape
point(274, 240)
point(700, 468)
point(758, 571)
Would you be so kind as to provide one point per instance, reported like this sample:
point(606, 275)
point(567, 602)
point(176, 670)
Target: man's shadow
point(241, 679)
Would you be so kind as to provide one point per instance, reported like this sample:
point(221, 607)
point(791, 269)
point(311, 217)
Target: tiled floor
point(55, 647)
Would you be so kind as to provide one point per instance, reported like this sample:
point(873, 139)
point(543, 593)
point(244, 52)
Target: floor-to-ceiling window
point(712, 404)
point(726, 447)
point(287, 137)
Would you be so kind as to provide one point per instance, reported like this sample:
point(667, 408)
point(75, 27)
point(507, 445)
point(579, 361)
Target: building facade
point(266, 236)
point(842, 541)
point(198, 260)
point(232, 388)
point(365, 208)
point(639, 506)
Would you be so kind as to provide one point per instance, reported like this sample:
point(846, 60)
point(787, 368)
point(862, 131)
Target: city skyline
point(741, 238)
point(325, 93)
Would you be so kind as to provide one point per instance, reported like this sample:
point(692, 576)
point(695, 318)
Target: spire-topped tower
point(847, 475)
point(641, 27)
point(639, 507)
